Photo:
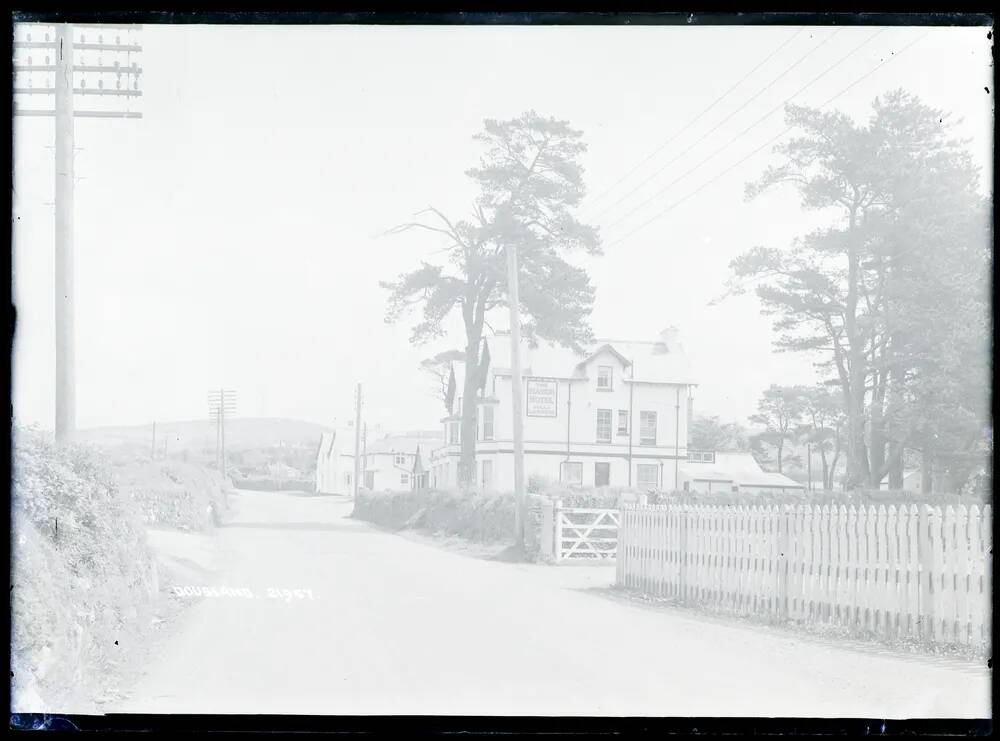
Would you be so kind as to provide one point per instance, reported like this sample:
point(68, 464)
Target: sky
point(234, 235)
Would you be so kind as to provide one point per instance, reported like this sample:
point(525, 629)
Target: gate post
point(557, 544)
point(548, 530)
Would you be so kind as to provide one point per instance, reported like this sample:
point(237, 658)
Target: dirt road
point(393, 626)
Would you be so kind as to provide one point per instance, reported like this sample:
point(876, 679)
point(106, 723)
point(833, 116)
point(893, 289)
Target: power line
point(702, 138)
point(770, 141)
point(694, 120)
point(740, 135)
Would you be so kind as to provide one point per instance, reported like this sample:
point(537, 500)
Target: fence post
point(927, 535)
point(682, 551)
point(557, 535)
point(784, 543)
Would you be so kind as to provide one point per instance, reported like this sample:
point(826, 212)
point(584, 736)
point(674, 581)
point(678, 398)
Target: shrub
point(477, 516)
point(175, 494)
point(82, 572)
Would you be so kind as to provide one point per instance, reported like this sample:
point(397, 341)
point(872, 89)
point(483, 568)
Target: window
point(404, 479)
point(604, 377)
point(622, 421)
point(453, 433)
point(488, 422)
point(602, 474)
point(571, 473)
point(646, 473)
point(603, 425)
point(647, 428)
point(400, 459)
point(487, 474)
point(701, 456)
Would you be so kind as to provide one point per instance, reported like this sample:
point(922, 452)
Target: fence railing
point(579, 533)
point(922, 572)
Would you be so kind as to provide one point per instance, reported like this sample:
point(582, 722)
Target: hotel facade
point(614, 415)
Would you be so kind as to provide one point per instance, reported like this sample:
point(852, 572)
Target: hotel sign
point(542, 395)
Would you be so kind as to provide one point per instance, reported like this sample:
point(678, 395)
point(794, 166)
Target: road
point(396, 626)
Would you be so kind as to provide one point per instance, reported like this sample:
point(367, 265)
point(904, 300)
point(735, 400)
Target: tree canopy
point(529, 180)
point(889, 296)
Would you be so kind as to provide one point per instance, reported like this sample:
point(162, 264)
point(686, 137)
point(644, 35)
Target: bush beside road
point(83, 580)
point(86, 577)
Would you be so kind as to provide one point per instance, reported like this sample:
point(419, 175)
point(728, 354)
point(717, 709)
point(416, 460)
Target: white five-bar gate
point(579, 533)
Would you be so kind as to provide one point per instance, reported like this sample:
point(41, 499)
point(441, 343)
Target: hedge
point(861, 497)
point(82, 575)
point(175, 494)
point(476, 516)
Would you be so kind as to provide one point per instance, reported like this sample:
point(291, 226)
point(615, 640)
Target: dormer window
point(604, 377)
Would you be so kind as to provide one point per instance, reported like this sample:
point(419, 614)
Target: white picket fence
point(922, 572)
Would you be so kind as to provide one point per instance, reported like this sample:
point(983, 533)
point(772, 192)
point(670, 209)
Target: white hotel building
point(616, 415)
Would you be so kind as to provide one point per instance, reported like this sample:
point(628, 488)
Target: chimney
point(671, 338)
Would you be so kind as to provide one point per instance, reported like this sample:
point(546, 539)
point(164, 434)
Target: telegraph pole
point(59, 51)
point(221, 403)
point(357, 439)
point(364, 451)
point(517, 402)
point(64, 179)
point(152, 453)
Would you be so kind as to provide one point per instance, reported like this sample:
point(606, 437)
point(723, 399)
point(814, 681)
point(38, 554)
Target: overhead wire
point(715, 128)
point(694, 120)
point(769, 142)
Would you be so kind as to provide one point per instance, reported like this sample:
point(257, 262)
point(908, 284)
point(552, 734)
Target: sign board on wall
point(542, 397)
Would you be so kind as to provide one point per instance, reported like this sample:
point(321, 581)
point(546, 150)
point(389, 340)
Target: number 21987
point(289, 594)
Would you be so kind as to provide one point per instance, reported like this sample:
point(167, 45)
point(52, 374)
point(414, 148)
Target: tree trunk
point(876, 446)
point(467, 459)
point(780, 445)
point(895, 465)
point(926, 471)
point(856, 449)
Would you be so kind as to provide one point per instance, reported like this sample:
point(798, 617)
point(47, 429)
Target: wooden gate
point(579, 533)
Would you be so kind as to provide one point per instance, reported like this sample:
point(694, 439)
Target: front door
point(602, 474)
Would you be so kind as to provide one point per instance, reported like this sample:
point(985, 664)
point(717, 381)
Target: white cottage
point(614, 415)
point(711, 472)
point(328, 466)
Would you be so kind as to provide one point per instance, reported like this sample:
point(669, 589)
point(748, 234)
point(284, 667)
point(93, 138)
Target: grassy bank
point(85, 579)
point(175, 494)
point(83, 582)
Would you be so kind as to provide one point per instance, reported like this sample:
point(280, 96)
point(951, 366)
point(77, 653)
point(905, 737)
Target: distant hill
point(197, 435)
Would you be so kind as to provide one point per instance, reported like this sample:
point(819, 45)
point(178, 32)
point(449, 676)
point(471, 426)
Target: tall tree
point(711, 433)
point(530, 181)
point(779, 412)
point(438, 368)
point(823, 428)
point(898, 190)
